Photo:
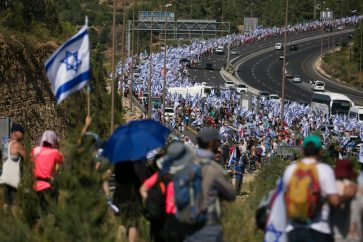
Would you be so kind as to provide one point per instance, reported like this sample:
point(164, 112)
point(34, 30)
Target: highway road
point(263, 71)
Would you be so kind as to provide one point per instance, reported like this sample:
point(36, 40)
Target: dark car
point(264, 94)
point(209, 66)
point(185, 62)
point(293, 47)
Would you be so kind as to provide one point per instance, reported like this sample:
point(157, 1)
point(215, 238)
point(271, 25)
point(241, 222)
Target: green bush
point(238, 218)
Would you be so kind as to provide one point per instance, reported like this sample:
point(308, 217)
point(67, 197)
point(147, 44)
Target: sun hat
point(313, 139)
point(177, 156)
point(344, 170)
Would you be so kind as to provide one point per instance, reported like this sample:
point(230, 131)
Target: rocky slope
point(25, 93)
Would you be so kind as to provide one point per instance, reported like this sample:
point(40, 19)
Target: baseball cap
point(313, 139)
point(17, 127)
point(208, 134)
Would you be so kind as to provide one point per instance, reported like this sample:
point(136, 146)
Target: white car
point(318, 86)
point(241, 88)
point(296, 79)
point(169, 111)
point(278, 46)
point(274, 97)
point(234, 52)
point(220, 50)
point(229, 84)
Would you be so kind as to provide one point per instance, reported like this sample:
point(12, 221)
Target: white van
point(278, 46)
point(356, 112)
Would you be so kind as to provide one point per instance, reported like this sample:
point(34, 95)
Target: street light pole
point(113, 68)
point(284, 68)
point(165, 53)
point(361, 50)
point(149, 106)
point(314, 9)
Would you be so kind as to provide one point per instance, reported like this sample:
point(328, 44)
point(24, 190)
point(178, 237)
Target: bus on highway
point(329, 103)
point(356, 112)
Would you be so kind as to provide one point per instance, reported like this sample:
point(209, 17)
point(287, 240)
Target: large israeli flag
point(68, 67)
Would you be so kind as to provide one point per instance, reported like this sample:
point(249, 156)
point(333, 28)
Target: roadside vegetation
point(343, 64)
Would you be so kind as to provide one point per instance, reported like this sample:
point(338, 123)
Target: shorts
point(9, 195)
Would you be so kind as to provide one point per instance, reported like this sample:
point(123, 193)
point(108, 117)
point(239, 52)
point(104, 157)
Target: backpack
point(302, 197)
point(188, 195)
point(155, 203)
point(264, 209)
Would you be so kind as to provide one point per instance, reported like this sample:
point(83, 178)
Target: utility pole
point(165, 53)
point(149, 106)
point(113, 69)
point(314, 9)
point(361, 50)
point(132, 60)
point(284, 68)
point(123, 50)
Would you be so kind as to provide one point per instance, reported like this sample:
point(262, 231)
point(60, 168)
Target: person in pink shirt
point(177, 156)
point(47, 160)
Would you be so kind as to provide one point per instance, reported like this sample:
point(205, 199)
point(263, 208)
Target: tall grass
point(239, 218)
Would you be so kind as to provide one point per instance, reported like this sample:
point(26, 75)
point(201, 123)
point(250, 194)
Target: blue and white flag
point(68, 67)
point(277, 221)
point(233, 158)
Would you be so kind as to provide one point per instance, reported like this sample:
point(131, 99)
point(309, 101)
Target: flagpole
point(88, 85)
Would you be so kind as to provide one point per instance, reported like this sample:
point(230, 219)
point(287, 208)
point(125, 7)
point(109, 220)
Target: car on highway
point(296, 79)
point(278, 46)
point(341, 27)
point(220, 50)
point(241, 88)
point(317, 86)
point(288, 75)
point(234, 52)
point(264, 94)
point(329, 29)
point(281, 57)
point(293, 47)
point(169, 111)
point(274, 97)
point(229, 84)
point(209, 66)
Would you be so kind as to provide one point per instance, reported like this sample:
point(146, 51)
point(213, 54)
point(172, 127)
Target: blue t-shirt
point(239, 170)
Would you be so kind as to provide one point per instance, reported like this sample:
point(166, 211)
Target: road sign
point(250, 24)
point(156, 16)
point(326, 15)
point(5, 125)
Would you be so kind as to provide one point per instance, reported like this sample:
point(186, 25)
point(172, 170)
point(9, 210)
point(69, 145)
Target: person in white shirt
point(317, 230)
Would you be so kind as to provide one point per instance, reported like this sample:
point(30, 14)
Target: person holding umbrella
point(127, 149)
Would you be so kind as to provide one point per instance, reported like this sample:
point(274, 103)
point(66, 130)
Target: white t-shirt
point(327, 187)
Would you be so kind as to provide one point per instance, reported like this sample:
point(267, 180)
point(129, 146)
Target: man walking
point(310, 189)
point(215, 186)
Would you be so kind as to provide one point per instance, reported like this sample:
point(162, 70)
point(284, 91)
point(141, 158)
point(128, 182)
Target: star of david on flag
point(277, 222)
point(68, 67)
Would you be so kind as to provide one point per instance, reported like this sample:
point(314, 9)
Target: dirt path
point(247, 180)
point(133, 114)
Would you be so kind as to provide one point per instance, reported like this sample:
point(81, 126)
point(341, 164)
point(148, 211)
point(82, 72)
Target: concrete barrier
point(287, 152)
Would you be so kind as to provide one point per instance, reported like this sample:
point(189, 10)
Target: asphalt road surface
point(263, 71)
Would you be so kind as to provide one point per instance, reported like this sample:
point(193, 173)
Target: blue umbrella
point(134, 140)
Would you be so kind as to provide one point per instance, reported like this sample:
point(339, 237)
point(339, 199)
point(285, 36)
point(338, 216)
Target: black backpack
point(155, 203)
point(263, 210)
